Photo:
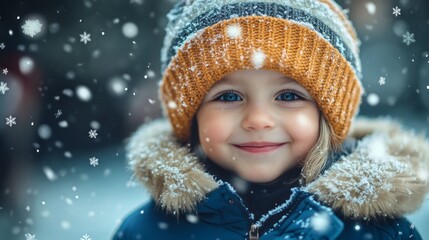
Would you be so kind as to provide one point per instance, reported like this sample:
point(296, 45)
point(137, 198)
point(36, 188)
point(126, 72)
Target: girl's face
point(258, 124)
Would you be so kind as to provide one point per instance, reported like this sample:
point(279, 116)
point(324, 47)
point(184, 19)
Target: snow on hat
point(311, 41)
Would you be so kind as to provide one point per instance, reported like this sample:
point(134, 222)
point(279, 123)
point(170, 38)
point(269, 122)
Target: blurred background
point(78, 77)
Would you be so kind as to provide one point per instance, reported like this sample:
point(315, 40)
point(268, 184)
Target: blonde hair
point(316, 159)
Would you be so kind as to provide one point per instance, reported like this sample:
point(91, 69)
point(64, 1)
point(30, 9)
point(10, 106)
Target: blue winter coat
point(351, 200)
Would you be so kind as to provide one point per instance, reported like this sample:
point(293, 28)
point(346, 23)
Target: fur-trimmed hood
point(385, 175)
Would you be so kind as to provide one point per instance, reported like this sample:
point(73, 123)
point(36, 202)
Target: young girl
point(260, 98)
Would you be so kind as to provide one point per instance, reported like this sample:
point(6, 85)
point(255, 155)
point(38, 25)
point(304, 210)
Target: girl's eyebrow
point(227, 80)
point(287, 79)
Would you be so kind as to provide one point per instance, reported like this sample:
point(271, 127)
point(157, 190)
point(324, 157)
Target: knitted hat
point(311, 41)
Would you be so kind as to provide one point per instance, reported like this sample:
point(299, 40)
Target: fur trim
point(386, 175)
point(169, 171)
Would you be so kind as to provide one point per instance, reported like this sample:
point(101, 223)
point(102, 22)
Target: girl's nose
point(257, 118)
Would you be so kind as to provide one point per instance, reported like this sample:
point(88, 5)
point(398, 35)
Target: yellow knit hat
point(311, 41)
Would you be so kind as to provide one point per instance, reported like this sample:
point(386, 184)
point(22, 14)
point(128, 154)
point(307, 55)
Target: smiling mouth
point(260, 148)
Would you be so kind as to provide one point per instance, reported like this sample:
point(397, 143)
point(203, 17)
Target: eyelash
point(290, 91)
point(296, 93)
point(221, 94)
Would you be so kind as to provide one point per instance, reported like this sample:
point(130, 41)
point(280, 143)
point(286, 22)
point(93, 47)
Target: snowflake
point(408, 38)
point(28, 236)
point(58, 113)
point(382, 81)
point(85, 37)
point(93, 133)
point(2, 46)
point(31, 27)
point(93, 161)
point(5, 71)
point(74, 188)
point(10, 121)
point(396, 11)
point(3, 87)
point(27, 208)
point(86, 237)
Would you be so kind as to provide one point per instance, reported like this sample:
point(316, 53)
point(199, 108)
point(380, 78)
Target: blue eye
point(288, 96)
point(229, 97)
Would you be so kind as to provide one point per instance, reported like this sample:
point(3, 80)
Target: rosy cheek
point(211, 132)
point(306, 125)
point(212, 128)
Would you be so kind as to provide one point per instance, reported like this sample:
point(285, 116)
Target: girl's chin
point(258, 178)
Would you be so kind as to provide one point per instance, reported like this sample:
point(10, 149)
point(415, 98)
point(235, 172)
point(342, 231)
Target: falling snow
point(382, 81)
point(163, 225)
point(85, 37)
point(172, 105)
point(130, 30)
point(258, 59)
point(86, 237)
point(83, 93)
point(3, 88)
point(58, 113)
point(408, 38)
point(396, 11)
point(192, 218)
point(371, 8)
point(233, 31)
point(373, 99)
point(93, 133)
point(50, 174)
point(93, 161)
point(28, 236)
point(10, 121)
point(31, 27)
point(320, 222)
point(138, 2)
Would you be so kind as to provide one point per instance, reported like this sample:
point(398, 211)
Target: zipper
point(259, 225)
point(254, 232)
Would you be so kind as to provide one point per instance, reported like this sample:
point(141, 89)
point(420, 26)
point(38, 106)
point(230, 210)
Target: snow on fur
point(173, 176)
point(380, 178)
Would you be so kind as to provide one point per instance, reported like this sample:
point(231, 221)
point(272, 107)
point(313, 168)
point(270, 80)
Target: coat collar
point(385, 175)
